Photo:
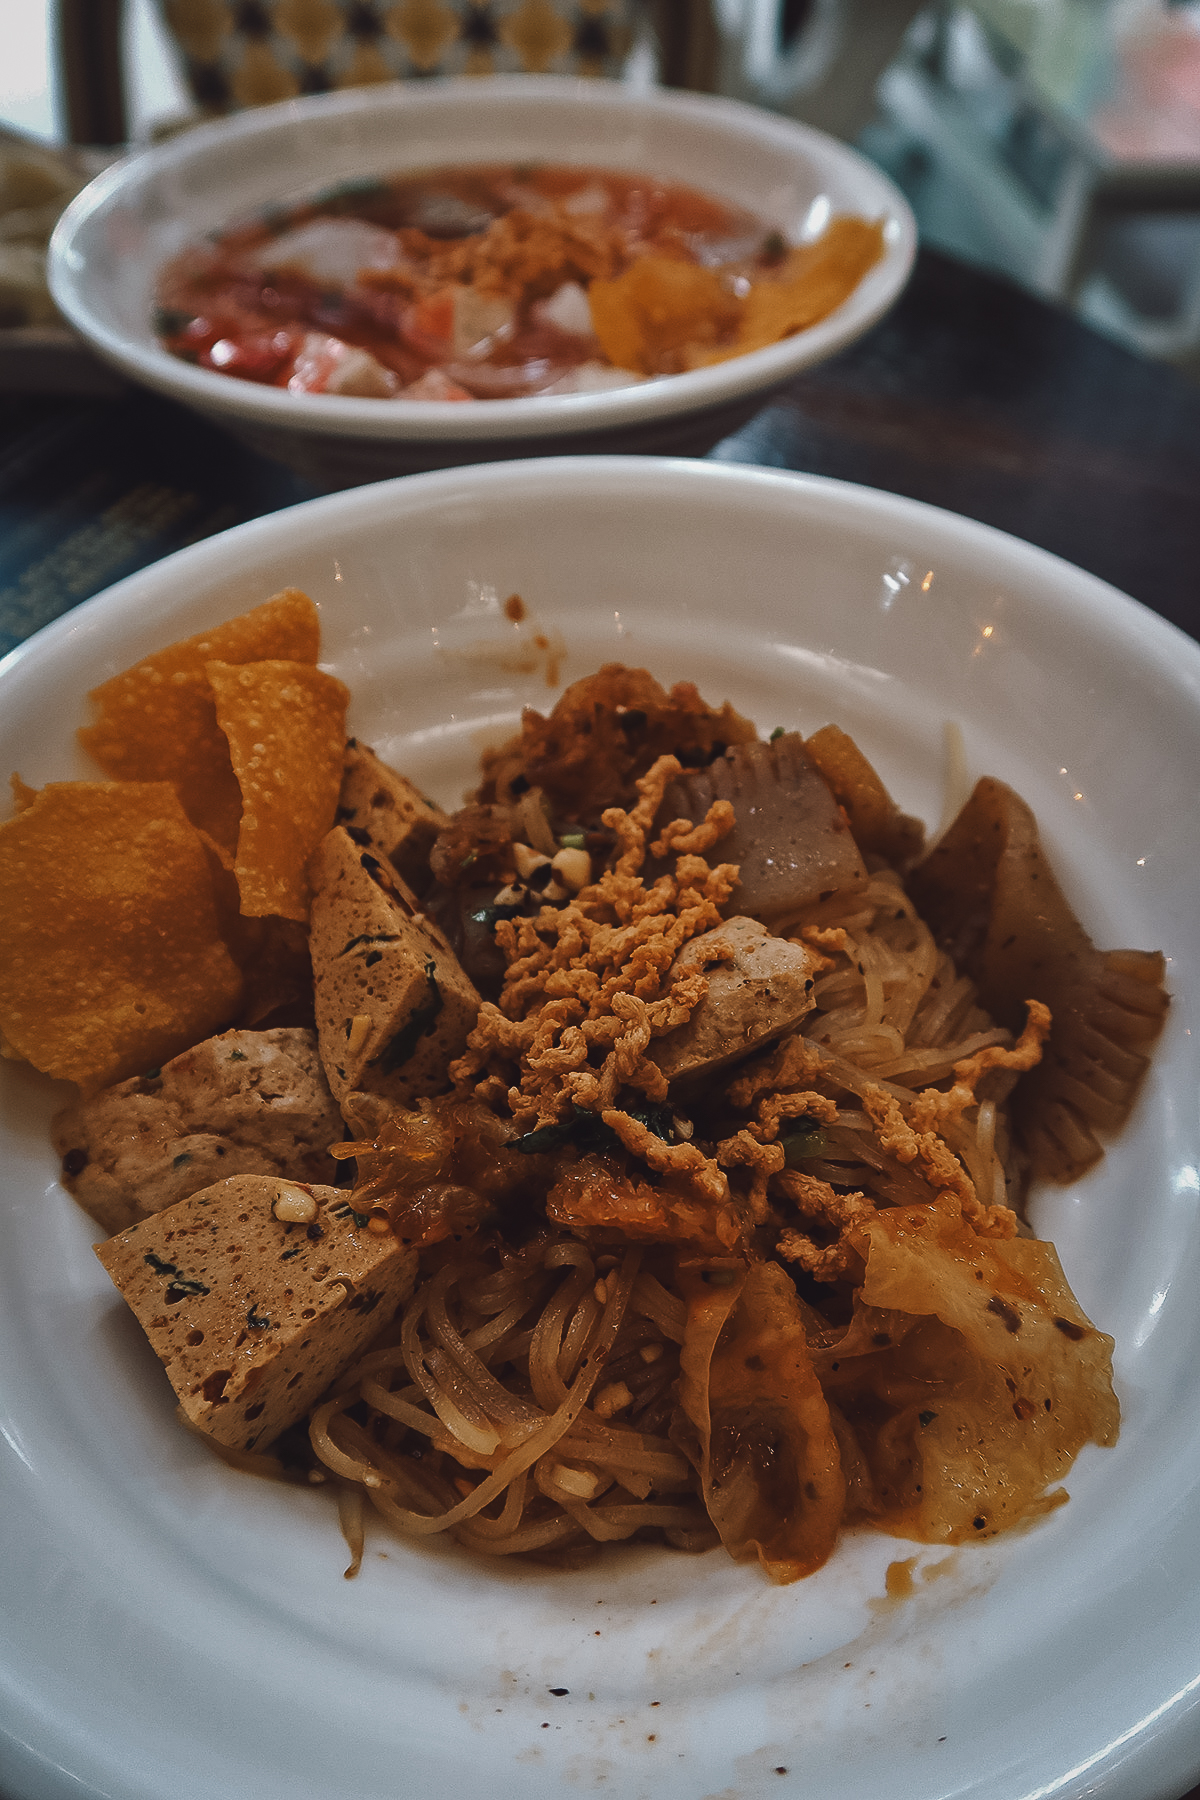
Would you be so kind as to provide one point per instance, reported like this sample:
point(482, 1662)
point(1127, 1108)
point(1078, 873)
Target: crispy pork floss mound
point(684, 1108)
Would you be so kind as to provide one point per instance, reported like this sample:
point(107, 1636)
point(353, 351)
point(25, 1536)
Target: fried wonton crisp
point(285, 724)
point(755, 1422)
point(813, 280)
point(115, 960)
point(968, 1378)
point(156, 721)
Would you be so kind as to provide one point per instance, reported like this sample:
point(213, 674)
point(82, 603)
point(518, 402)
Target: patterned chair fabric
point(240, 53)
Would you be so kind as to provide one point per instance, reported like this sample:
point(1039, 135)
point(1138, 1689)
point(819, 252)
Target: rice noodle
point(529, 1399)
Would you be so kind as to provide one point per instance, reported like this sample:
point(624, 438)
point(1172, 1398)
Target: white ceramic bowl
point(172, 1628)
point(113, 240)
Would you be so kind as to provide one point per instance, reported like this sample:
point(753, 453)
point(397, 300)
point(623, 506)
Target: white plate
point(171, 1628)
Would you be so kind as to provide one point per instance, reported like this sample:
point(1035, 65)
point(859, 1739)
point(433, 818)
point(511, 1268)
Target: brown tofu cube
point(382, 811)
point(251, 1317)
point(244, 1103)
point(393, 1005)
point(761, 987)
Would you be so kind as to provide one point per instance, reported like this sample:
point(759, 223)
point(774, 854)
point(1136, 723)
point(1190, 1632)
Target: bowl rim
point(532, 417)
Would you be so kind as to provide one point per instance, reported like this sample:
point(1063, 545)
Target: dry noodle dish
point(637, 1153)
point(496, 282)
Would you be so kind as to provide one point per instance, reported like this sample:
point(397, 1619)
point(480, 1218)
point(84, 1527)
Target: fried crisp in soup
point(499, 281)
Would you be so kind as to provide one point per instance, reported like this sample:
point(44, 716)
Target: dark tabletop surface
point(971, 395)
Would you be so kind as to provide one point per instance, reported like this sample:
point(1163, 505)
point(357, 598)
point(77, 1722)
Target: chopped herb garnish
point(553, 1137)
point(778, 732)
point(346, 1211)
point(399, 1048)
point(364, 1302)
point(369, 936)
point(180, 1284)
point(572, 840)
point(294, 1251)
point(237, 1056)
point(798, 1146)
point(587, 1131)
point(257, 1321)
point(182, 1160)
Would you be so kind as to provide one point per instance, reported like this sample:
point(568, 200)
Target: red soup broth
point(497, 282)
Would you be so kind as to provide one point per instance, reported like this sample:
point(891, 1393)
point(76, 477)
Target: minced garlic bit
point(573, 868)
point(582, 1484)
point(357, 1032)
point(294, 1205)
point(650, 1353)
point(612, 1399)
point(527, 860)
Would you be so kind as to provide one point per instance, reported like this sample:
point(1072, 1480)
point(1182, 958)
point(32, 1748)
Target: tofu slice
point(393, 1004)
point(762, 988)
point(383, 812)
point(244, 1103)
point(253, 1318)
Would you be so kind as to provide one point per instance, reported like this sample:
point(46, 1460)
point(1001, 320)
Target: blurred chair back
point(241, 53)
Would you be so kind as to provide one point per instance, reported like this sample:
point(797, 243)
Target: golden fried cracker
point(813, 280)
point(658, 306)
point(156, 721)
point(114, 960)
point(285, 723)
point(272, 953)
